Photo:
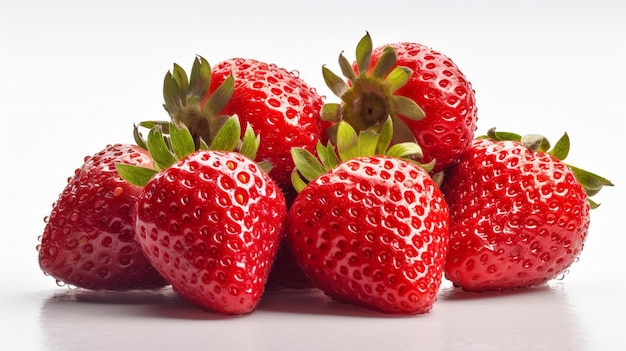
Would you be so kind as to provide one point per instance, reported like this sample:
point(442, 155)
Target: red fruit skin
point(89, 237)
point(517, 218)
point(372, 232)
point(211, 224)
point(445, 95)
point(282, 108)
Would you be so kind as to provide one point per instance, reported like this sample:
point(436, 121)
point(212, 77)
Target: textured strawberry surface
point(89, 238)
point(212, 224)
point(282, 108)
point(372, 232)
point(517, 217)
point(446, 97)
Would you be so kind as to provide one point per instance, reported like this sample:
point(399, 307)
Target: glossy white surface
point(546, 318)
point(76, 76)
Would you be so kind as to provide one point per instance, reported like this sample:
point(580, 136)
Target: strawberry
point(430, 100)
point(89, 237)
point(519, 215)
point(372, 230)
point(210, 221)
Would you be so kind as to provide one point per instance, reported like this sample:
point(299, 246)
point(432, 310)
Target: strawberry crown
point(169, 142)
point(187, 103)
point(351, 144)
point(591, 182)
point(369, 97)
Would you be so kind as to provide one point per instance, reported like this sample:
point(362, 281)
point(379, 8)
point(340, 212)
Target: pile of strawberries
point(254, 184)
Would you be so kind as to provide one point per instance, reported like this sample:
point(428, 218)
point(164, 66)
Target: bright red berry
point(89, 237)
point(211, 224)
point(518, 216)
point(431, 100)
point(372, 231)
point(210, 221)
point(445, 95)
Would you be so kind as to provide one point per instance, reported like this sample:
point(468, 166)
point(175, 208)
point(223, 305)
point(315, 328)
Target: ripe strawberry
point(211, 222)
point(519, 216)
point(89, 237)
point(372, 231)
point(390, 80)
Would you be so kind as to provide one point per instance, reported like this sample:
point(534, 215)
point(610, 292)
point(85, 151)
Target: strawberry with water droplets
point(369, 228)
point(430, 100)
point(209, 220)
point(89, 237)
point(519, 215)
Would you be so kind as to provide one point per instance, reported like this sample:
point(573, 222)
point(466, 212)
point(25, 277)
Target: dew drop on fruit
point(46, 219)
point(562, 276)
point(295, 73)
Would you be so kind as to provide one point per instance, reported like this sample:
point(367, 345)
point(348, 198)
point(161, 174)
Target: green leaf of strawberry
point(168, 149)
point(184, 100)
point(350, 144)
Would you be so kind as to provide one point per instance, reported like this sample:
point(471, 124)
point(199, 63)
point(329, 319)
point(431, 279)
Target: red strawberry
point(89, 237)
point(518, 214)
point(211, 223)
point(383, 79)
point(373, 230)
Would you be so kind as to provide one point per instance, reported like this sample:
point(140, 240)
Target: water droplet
point(562, 276)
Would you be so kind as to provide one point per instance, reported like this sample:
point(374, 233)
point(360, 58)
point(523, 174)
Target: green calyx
point(369, 97)
point(591, 182)
point(169, 142)
point(186, 100)
point(351, 144)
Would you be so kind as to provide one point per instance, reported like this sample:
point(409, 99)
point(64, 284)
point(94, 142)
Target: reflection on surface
point(540, 318)
point(536, 319)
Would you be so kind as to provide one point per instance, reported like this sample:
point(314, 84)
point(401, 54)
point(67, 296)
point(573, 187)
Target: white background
point(76, 75)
